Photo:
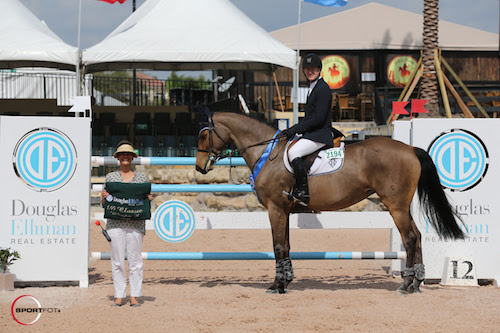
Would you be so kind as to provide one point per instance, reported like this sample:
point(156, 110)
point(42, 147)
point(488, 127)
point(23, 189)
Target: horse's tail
point(434, 201)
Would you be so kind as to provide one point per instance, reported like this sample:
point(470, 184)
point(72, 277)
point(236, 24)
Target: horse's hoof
point(272, 291)
point(277, 291)
point(402, 292)
point(414, 290)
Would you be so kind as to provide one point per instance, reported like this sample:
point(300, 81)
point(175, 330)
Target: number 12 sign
point(459, 271)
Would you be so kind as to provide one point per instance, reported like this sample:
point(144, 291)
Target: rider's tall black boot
point(301, 190)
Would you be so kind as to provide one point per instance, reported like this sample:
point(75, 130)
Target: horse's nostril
point(203, 171)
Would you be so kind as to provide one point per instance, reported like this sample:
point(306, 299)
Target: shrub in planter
point(7, 258)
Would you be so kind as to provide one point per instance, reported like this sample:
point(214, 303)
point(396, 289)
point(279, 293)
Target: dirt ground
point(229, 296)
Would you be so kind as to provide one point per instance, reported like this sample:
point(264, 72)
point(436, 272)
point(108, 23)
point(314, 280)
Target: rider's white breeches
point(302, 148)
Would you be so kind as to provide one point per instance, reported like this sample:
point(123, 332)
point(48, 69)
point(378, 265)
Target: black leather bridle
point(213, 156)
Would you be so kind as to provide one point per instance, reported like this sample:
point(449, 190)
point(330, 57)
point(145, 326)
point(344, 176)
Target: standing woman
point(126, 234)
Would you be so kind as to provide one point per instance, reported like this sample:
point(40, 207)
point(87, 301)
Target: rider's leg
point(301, 190)
point(302, 148)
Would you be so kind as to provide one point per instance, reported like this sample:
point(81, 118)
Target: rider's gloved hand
point(289, 132)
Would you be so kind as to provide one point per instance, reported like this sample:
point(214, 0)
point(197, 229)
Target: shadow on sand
point(342, 282)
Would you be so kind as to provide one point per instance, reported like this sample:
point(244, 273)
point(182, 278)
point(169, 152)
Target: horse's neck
point(245, 132)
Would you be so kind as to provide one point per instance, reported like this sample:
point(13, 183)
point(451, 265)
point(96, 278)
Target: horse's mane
point(249, 122)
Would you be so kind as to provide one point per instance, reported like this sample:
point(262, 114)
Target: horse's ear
point(337, 133)
point(205, 115)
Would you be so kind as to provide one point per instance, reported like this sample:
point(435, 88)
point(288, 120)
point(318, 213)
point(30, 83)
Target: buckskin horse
point(380, 165)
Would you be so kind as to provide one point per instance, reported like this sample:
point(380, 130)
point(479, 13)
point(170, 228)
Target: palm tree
point(429, 84)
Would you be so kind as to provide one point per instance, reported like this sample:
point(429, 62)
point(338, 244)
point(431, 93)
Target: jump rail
point(191, 188)
point(369, 255)
point(98, 161)
point(177, 188)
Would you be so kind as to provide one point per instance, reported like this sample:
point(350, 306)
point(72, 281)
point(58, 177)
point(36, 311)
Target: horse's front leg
point(284, 271)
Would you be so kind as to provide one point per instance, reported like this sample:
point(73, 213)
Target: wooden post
point(465, 88)
point(443, 83)
point(408, 93)
point(278, 90)
point(412, 76)
point(439, 74)
point(413, 84)
point(457, 97)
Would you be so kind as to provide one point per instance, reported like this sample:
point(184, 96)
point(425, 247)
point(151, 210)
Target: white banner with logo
point(45, 196)
point(466, 153)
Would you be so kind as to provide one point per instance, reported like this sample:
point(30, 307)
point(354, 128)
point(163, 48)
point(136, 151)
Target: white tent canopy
point(376, 26)
point(25, 41)
point(188, 35)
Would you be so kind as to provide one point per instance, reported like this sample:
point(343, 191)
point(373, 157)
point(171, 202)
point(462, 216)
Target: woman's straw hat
point(124, 147)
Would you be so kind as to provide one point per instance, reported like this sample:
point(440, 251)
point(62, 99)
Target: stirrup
point(294, 199)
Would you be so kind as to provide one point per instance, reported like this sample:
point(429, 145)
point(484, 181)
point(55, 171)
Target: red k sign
point(113, 1)
point(417, 105)
point(399, 107)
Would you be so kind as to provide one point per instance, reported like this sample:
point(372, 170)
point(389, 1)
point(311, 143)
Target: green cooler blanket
point(127, 201)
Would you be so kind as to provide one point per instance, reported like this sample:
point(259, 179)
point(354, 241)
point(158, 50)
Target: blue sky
point(100, 18)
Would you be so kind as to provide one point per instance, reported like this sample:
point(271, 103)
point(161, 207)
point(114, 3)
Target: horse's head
point(211, 143)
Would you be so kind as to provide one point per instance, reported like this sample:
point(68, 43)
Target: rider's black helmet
point(312, 60)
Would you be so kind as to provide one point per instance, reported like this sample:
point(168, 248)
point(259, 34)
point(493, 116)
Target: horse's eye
point(203, 136)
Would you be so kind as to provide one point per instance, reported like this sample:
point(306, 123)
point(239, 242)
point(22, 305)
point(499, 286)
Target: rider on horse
point(315, 128)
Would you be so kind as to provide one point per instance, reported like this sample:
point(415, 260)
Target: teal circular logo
point(174, 221)
point(461, 159)
point(45, 159)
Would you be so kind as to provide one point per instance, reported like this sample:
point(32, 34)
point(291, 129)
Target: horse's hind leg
point(284, 271)
point(418, 265)
point(413, 275)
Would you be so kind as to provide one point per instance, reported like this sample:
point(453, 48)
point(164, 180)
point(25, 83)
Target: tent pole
point(134, 85)
point(296, 73)
point(78, 83)
point(270, 91)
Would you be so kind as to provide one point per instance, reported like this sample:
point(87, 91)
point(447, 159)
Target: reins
point(263, 143)
point(242, 150)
